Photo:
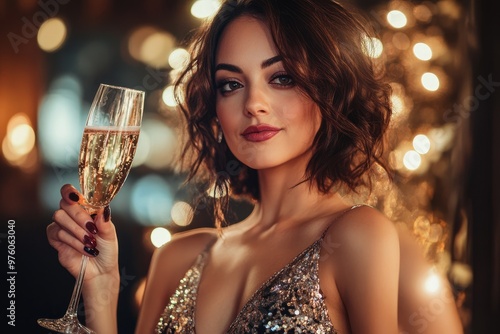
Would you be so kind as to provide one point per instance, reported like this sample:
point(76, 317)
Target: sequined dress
point(290, 301)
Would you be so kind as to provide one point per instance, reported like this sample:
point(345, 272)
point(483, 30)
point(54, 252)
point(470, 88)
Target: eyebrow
point(236, 69)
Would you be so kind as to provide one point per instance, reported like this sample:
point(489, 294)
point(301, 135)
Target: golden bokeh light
point(160, 236)
point(397, 19)
point(422, 13)
point(155, 47)
point(137, 38)
point(421, 144)
point(168, 96)
point(216, 193)
point(412, 160)
point(422, 51)
point(430, 81)
point(204, 8)
point(182, 213)
point(397, 104)
point(52, 34)
point(178, 58)
point(401, 41)
point(19, 141)
point(372, 47)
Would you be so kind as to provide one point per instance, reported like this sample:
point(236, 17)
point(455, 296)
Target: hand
point(74, 232)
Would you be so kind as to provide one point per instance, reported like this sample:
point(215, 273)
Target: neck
point(286, 197)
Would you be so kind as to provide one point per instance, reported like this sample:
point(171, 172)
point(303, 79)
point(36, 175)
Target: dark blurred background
point(442, 60)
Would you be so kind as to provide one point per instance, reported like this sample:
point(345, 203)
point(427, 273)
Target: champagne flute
point(107, 150)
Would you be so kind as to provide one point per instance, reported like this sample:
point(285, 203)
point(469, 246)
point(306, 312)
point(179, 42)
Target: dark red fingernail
point(93, 216)
point(89, 241)
point(91, 227)
point(74, 197)
point(92, 251)
point(107, 213)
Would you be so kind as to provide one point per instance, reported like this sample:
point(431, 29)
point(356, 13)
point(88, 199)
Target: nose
point(256, 101)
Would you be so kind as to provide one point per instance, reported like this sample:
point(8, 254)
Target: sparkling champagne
point(106, 155)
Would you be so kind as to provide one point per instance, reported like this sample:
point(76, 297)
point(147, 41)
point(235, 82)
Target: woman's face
point(265, 119)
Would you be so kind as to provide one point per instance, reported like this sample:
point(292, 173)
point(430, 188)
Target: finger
point(72, 219)
point(62, 241)
point(104, 224)
point(80, 215)
point(71, 195)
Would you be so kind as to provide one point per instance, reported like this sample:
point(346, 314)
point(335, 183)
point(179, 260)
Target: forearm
point(100, 298)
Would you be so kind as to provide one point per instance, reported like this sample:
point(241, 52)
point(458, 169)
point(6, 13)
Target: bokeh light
point(430, 81)
point(163, 143)
point(397, 104)
point(160, 236)
point(421, 144)
point(182, 213)
point(216, 192)
point(19, 142)
point(178, 58)
point(155, 47)
point(412, 160)
point(372, 47)
point(422, 13)
point(51, 34)
point(397, 19)
point(168, 96)
point(401, 40)
point(151, 200)
point(137, 38)
point(422, 51)
point(61, 122)
point(204, 8)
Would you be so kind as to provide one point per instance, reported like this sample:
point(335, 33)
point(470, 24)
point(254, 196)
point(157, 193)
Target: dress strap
point(342, 214)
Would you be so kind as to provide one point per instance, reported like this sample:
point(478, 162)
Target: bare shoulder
point(364, 238)
point(365, 225)
point(182, 250)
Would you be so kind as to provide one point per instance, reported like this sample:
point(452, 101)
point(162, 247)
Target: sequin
point(290, 301)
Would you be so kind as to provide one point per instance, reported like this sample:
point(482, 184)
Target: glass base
point(67, 325)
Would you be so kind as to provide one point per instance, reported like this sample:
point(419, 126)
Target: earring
point(219, 131)
point(219, 136)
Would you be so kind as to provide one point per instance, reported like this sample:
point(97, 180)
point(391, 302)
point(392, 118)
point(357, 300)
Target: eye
point(228, 86)
point(282, 79)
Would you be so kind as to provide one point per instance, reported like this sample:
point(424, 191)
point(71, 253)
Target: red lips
point(261, 132)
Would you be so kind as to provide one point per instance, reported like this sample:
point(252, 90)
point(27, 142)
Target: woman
point(283, 107)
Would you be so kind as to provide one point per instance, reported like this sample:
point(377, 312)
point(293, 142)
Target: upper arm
point(168, 265)
point(366, 270)
point(424, 310)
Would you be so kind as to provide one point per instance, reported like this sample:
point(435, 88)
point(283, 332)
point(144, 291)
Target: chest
point(262, 290)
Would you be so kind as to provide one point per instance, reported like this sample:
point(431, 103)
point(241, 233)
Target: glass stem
point(77, 290)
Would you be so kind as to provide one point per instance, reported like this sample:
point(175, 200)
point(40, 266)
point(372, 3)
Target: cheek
point(302, 114)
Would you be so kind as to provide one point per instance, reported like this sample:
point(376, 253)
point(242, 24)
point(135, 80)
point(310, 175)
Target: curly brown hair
point(321, 44)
